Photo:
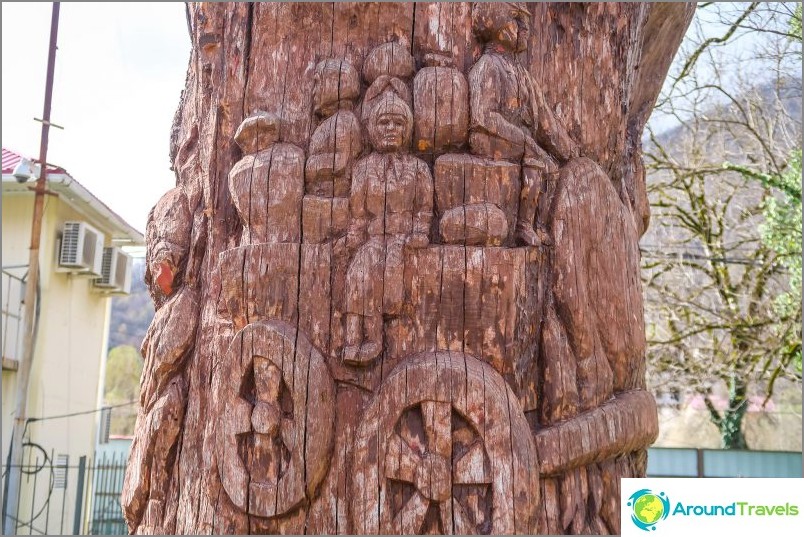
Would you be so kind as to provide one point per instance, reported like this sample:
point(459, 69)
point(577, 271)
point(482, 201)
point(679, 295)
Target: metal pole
point(24, 370)
point(79, 495)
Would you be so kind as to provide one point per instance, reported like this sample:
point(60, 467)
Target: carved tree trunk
point(397, 284)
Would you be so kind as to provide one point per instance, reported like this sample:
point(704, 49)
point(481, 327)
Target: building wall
point(71, 344)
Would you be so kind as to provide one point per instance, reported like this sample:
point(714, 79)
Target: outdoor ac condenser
point(115, 271)
point(81, 249)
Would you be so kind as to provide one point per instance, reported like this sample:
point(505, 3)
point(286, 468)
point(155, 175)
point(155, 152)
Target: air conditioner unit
point(115, 271)
point(81, 249)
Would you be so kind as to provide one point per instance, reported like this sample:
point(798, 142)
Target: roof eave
point(82, 200)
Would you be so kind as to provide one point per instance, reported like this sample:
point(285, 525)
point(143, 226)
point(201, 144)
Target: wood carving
point(508, 112)
point(166, 347)
point(267, 184)
point(391, 208)
point(442, 449)
point(397, 285)
point(336, 142)
point(276, 433)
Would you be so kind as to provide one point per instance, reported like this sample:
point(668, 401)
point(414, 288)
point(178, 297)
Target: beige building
point(82, 265)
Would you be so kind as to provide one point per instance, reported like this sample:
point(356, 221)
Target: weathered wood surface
point(397, 284)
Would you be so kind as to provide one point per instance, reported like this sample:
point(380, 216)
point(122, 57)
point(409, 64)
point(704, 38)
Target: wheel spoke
point(401, 461)
point(267, 379)
point(438, 427)
point(445, 513)
point(463, 524)
point(470, 468)
point(410, 519)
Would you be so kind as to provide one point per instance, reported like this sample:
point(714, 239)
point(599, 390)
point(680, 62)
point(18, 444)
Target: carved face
point(522, 20)
point(515, 31)
point(390, 124)
point(391, 134)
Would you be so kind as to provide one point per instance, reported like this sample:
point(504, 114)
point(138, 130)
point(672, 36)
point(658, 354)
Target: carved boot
point(359, 351)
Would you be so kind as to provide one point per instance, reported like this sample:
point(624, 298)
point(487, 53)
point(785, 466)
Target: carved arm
point(484, 84)
point(549, 131)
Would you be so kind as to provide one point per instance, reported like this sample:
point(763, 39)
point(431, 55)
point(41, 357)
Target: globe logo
point(648, 508)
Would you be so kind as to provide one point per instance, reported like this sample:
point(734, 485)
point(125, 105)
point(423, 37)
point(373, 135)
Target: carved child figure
point(267, 184)
point(510, 119)
point(391, 206)
point(336, 142)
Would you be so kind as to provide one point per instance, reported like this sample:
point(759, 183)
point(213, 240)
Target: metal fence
point(59, 496)
point(692, 462)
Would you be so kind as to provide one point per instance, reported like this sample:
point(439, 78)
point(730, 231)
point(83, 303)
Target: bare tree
point(711, 280)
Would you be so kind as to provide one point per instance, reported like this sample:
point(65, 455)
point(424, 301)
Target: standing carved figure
point(391, 207)
point(510, 119)
point(169, 341)
point(336, 142)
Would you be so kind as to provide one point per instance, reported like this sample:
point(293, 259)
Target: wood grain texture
point(397, 283)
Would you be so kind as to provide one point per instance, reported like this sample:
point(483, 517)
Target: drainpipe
point(24, 370)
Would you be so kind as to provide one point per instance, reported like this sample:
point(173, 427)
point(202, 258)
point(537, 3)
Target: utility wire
point(31, 420)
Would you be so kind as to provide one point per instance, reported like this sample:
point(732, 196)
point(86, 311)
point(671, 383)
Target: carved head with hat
point(336, 85)
point(390, 124)
point(504, 24)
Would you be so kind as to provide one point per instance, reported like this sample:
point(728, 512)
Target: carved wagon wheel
point(276, 424)
point(444, 448)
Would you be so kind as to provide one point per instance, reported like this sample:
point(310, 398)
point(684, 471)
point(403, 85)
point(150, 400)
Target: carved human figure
point(169, 341)
point(441, 109)
point(336, 142)
point(391, 206)
point(267, 184)
point(509, 118)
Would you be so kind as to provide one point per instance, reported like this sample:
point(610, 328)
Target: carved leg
point(526, 232)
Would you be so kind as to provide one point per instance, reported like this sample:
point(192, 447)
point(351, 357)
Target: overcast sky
point(120, 70)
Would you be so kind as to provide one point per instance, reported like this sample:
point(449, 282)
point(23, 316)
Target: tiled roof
point(12, 158)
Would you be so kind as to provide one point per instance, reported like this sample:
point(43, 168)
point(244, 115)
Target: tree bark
point(398, 279)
